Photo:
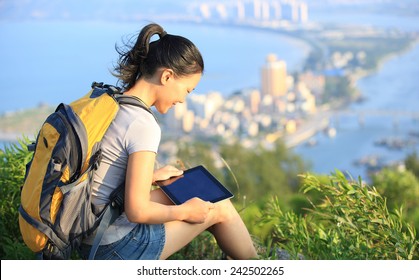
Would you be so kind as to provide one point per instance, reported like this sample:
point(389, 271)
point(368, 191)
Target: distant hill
point(27, 122)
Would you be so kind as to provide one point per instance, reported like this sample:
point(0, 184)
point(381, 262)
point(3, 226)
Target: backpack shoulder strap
point(108, 217)
point(135, 101)
point(116, 92)
point(111, 212)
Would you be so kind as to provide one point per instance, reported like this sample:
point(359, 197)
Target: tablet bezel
point(167, 187)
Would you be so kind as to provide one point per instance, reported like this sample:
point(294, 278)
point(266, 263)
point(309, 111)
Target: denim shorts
point(144, 242)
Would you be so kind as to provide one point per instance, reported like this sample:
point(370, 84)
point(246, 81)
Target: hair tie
point(164, 33)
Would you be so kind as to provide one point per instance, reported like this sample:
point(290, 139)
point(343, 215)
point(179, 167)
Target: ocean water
point(51, 62)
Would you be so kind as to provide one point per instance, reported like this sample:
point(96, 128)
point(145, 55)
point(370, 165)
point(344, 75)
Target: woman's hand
point(197, 210)
point(166, 172)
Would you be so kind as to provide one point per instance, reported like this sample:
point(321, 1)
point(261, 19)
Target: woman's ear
point(166, 75)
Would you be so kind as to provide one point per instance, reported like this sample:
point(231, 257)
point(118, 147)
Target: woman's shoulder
point(131, 113)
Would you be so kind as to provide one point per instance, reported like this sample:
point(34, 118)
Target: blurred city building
point(274, 77)
point(280, 105)
point(256, 11)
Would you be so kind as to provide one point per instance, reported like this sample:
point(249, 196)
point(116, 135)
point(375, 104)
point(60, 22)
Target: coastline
point(19, 124)
point(380, 63)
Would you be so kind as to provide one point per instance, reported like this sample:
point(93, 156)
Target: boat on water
point(331, 132)
point(395, 143)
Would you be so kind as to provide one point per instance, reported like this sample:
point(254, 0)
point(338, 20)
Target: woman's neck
point(144, 90)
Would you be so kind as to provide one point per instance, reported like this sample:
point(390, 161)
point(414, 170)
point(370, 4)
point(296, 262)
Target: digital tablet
point(194, 182)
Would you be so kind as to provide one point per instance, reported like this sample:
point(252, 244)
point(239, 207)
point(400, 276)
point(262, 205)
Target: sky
point(134, 9)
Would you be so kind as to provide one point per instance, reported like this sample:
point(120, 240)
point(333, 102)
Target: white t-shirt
point(134, 129)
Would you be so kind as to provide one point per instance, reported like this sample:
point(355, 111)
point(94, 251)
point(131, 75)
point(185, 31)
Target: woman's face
point(175, 90)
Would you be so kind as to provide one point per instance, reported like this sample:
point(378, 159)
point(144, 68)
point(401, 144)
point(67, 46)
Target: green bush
point(412, 163)
point(13, 160)
point(352, 221)
point(339, 219)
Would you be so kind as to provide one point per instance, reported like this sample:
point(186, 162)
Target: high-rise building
point(254, 101)
point(274, 77)
point(247, 10)
point(257, 9)
point(188, 121)
point(303, 12)
point(290, 11)
point(276, 10)
point(176, 115)
point(241, 10)
point(265, 10)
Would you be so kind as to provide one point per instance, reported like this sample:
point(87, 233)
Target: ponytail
point(145, 57)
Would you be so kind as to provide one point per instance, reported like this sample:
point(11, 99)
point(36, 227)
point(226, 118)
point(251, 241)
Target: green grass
point(330, 217)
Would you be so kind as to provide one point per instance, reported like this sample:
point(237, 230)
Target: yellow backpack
point(56, 212)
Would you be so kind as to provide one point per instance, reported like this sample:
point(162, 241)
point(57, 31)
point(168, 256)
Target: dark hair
point(144, 58)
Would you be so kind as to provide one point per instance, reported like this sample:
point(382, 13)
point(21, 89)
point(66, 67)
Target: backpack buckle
point(96, 159)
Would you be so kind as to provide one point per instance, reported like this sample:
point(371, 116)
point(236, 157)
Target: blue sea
point(50, 62)
point(53, 62)
point(46, 62)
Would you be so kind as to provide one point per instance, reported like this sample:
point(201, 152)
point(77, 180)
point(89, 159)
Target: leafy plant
point(401, 188)
point(13, 160)
point(331, 218)
point(412, 163)
point(351, 221)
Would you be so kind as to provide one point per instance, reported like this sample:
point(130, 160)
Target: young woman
point(161, 73)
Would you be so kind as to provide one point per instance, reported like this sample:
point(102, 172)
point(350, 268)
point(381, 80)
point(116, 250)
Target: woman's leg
point(223, 222)
point(159, 196)
point(232, 235)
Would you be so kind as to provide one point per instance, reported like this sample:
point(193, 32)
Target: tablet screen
point(195, 182)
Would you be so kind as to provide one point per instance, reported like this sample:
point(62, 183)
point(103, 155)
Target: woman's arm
point(166, 172)
point(139, 207)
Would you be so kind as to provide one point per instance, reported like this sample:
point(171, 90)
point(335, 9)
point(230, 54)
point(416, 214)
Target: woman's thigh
point(179, 233)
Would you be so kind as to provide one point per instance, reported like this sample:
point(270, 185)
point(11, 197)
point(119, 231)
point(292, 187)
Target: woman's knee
point(225, 211)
